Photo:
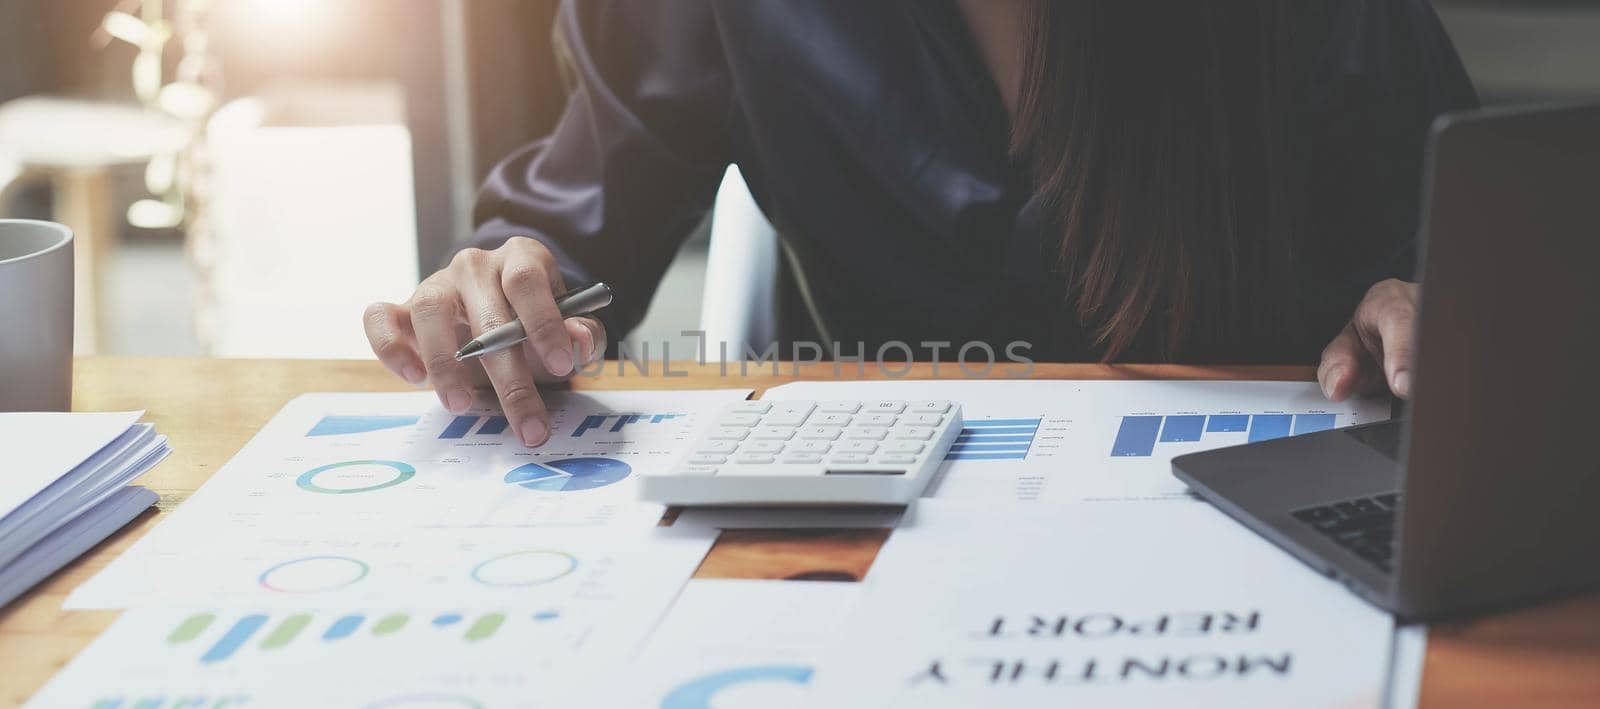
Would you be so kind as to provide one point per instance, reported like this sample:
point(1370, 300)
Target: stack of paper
point(65, 487)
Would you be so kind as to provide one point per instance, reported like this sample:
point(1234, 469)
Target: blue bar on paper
point(1265, 427)
point(343, 627)
point(1137, 437)
point(1228, 423)
point(1182, 429)
point(985, 456)
point(985, 438)
point(495, 426)
point(1311, 423)
point(625, 420)
point(445, 619)
point(986, 448)
point(998, 430)
point(459, 426)
point(236, 636)
point(988, 423)
point(589, 422)
point(658, 418)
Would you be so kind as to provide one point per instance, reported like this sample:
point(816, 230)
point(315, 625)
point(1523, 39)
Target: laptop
point(1487, 494)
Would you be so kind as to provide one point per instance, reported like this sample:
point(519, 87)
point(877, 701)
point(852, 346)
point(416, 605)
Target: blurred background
point(245, 175)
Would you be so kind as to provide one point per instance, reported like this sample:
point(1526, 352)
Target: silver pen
point(575, 302)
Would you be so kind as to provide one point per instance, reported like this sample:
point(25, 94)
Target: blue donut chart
point(308, 480)
point(698, 693)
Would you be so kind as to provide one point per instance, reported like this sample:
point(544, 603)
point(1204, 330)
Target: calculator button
point(695, 470)
point(857, 447)
point(922, 433)
point(922, 419)
point(777, 433)
point(902, 447)
point(875, 433)
point(750, 407)
point(874, 419)
point(928, 407)
point(761, 447)
point(783, 418)
point(886, 407)
point(798, 408)
point(823, 419)
point(810, 446)
point(728, 433)
point(897, 458)
point(708, 459)
point(802, 458)
point(839, 407)
point(820, 433)
point(739, 419)
point(753, 458)
point(847, 458)
point(719, 447)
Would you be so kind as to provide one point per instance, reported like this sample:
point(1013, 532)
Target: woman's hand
point(1376, 348)
point(479, 290)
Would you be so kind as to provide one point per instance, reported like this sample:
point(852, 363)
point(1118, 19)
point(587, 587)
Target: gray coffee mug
point(35, 316)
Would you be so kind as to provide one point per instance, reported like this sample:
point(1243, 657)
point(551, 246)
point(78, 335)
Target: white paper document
point(64, 487)
point(979, 604)
point(736, 644)
point(360, 498)
point(1098, 441)
point(372, 656)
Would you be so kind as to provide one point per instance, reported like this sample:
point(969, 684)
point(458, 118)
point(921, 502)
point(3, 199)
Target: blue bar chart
point(614, 423)
point(284, 631)
point(1138, 436)
point(462, 426)
point(994, 439)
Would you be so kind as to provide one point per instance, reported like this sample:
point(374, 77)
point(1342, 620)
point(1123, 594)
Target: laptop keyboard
point(1364, 525)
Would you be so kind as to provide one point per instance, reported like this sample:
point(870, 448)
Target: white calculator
point(811, 453)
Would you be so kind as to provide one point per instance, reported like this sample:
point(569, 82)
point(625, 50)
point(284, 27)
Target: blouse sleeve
point(635, 160)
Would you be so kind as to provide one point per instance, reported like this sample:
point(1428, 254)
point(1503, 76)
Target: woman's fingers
point(478, 291)
point(530, 280)
point(388, 328)
point(1376, 349)
point(435, 312)
point(590, 336)
point(507, 370)
point(1395, 323)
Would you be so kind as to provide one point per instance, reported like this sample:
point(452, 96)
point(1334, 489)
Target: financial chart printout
point(737, 644)
point(1027, 605)
point(1102, 441)
point(369, 656)
point(357, 498)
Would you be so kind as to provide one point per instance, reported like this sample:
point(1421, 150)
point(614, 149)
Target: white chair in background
point(739, 305)
point(312, 217)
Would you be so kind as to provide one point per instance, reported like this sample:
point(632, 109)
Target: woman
point(1117, 180)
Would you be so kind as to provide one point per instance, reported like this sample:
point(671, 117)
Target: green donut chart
point(308, 480)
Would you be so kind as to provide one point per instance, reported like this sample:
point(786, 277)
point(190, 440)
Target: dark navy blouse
point(873, 137)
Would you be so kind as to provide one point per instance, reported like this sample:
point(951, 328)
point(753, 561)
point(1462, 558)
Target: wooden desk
point(1548, 655)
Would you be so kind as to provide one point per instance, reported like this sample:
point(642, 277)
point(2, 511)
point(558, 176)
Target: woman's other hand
point(418, 339)
point(1377, 348)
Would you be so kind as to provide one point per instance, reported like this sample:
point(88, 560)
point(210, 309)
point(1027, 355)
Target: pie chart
point(568, 474)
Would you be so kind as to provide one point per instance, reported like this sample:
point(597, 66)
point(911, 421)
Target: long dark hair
point(1160, 136)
